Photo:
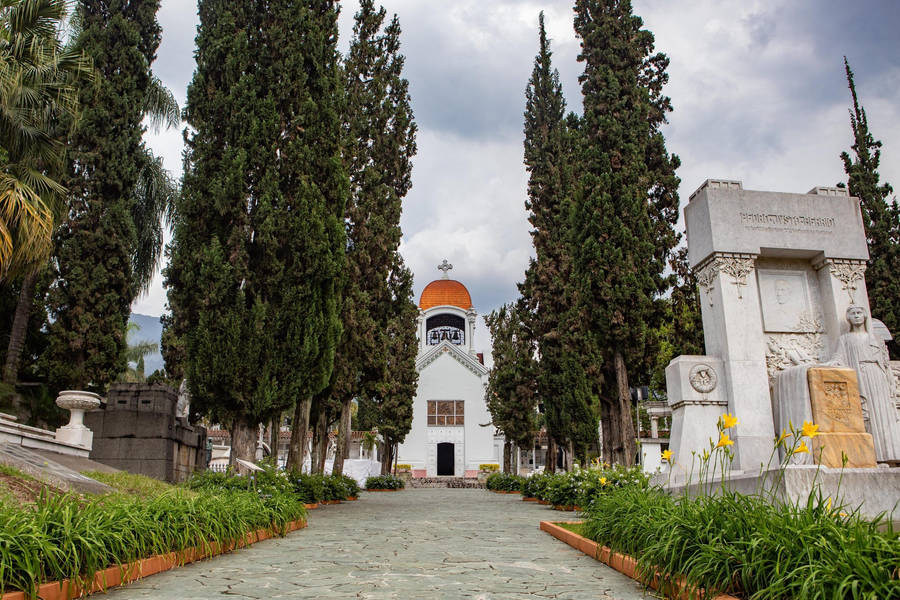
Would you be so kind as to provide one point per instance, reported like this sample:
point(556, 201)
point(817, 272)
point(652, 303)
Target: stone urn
point(77, 402)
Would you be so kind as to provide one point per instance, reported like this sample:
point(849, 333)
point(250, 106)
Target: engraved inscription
point(779, 222)
point(837, 401)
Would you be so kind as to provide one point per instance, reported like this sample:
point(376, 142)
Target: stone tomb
point(139, 431)
point(777, 273)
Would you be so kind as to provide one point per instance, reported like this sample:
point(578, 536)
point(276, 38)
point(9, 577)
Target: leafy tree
point(510, 393)
point(95, 282)
point(881, 219)
point(548, 153)
point(378, 147)
point(258, 241)
point(625, 204)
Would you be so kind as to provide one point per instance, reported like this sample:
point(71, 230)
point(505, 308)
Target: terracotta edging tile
point(674, 586)
point(117, 575)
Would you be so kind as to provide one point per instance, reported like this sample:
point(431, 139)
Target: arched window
point(445, 327)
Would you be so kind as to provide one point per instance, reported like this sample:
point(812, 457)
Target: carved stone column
point(733, 332)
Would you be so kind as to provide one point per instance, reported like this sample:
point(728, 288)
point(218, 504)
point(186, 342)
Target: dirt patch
point(25, 491)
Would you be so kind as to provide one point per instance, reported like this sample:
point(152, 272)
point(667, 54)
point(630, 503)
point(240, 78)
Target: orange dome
point(445, 292)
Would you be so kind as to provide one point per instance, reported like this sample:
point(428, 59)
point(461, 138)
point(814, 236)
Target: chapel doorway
point(445, 459)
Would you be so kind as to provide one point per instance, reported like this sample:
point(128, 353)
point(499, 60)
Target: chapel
point(451, 431)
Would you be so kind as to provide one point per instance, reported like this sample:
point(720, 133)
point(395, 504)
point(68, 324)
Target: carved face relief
point(782, 292)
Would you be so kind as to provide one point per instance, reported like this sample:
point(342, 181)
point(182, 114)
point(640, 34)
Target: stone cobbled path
point(422, 543)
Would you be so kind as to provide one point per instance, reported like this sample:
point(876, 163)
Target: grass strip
point(748, 546)
point(70, 537)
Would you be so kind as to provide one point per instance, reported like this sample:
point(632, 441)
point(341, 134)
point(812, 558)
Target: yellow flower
point(828, 504)
point(810, 430)
point(667, 455)
point(784, 435)
point(729, 421)
point(801, 449)
point(603, 481)
point(724, 440)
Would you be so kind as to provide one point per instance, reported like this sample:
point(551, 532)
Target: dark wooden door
point(445, 459)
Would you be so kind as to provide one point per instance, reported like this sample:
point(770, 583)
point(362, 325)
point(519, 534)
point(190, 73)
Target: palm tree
point(39, 79)
point(39, 75)
point(135, 355)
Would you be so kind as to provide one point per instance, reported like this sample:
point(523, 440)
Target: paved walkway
point(427, 543)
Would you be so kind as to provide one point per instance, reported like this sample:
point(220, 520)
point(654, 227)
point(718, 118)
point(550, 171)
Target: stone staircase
point(444, 482)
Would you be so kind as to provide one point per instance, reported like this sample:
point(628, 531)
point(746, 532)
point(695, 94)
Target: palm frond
point(160, 106)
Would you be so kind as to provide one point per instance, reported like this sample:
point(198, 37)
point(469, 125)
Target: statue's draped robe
point(868, 355)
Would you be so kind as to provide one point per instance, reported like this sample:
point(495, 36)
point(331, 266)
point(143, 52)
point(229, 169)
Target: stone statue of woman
point(866, 353)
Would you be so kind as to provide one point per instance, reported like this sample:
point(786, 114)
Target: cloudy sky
point(758, 90)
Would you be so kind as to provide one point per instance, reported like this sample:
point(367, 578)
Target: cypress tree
point(881, 219)
point(510, 393)
point(549, 144)
point(91, 298)
point(258, 241)
point(625, 204)
point(681, 331)
point(378, 147)
point(394, 392)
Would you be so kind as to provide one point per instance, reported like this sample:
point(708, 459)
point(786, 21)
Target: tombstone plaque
point(836, 409)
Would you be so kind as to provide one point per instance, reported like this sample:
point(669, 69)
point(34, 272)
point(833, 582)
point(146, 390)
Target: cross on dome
point(445, 267)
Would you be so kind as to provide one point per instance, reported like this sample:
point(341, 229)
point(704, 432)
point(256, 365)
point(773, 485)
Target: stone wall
point(137, 431)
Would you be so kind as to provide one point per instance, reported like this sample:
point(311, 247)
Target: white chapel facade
point(448, 436)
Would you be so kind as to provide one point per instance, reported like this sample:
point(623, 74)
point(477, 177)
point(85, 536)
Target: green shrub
point(67, 536)
point(535, 484)
point(384, 482)
point(309, 488)
point(335, 489)
point(350, 485)
point(580, 486)
point(750, 546)
point(504, 482)
point(489, 467)
point(268, 482)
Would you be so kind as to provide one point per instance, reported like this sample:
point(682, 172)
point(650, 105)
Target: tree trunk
point(387, 457)
point(299, 431)
point(19, 327)
point(570, 455)
point(626, 423)
point(17, 343)
point(606, 422)
point(243, 442)
point(342, 451)
point(507, 456)
point(274, 431)
point(550, 459)
point(320, 441)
